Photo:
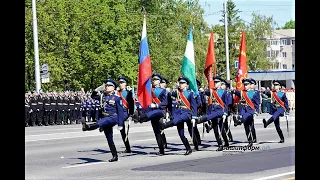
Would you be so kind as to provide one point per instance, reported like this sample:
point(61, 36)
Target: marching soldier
point(279, 107)
point(183, 108)
point(253, 88)
point(128, 108)
point(218, 109)
point(249, 108)
point(163, 84)
point(155, 111)
point(113, 114)
point(225, 86)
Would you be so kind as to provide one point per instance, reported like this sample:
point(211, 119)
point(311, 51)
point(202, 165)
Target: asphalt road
point(66, 152)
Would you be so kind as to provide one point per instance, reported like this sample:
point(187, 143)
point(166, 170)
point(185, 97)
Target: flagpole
point(35, 42)
point(226, 38)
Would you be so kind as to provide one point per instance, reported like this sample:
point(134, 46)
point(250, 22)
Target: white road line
point(86, 164)
point(275, 176)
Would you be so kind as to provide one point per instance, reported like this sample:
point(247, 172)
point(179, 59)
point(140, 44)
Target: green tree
point(289, 25)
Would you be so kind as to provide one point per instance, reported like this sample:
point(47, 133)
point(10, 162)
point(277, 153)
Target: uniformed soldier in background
point(72, 102)
point(53, 108)
point(27, 110)
point(60, 109)
point(40, 108)
point(34, 107)
point(47, 107)
point(77, 114)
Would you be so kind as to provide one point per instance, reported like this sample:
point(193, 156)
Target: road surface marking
point(275, 176)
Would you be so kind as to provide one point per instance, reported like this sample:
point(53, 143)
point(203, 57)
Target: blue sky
point(281, 10)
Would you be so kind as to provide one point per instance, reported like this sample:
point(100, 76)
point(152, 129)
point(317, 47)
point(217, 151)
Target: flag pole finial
point(143, 10)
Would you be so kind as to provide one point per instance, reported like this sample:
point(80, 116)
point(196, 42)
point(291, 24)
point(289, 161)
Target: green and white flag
point(188, 68)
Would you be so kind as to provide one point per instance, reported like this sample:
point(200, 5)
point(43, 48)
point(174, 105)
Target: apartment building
point(281, 49)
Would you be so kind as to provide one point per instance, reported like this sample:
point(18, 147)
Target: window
point(284, 54)
point(268, 54)
point(283, 42)
point(292, 66)
point(277, 53)
point(272, 53)
point(284, 66)
point(293, 41)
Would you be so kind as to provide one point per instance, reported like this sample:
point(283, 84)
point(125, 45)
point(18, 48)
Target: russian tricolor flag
point(145, 73)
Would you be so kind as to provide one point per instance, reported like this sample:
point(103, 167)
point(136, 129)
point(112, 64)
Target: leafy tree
point(289, 25)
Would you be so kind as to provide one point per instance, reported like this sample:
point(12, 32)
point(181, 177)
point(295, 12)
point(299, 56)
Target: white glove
point(38, 110)
point(193, 121)
point(75, 108)
point(119, 128)
point(153, 105)
point(286, 115)
point(224, 117)
point(96, 109)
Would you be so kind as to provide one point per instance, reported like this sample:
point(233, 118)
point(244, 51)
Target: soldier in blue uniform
point(279, 107)
point(112, 115)
point(196, 139)
point(225, 85)
point(183, 107)
point(253, 88)
point(128, 108)
point(155, 111)
point(163, 84)
point(249, 108)
point(217, 110)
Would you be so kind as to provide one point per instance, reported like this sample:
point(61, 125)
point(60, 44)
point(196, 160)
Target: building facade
point(281, 49)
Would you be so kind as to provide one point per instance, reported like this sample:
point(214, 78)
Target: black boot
point(208, 126)
point(187, 145)
point(142, 118)
point(89, 127)
point(254, 136)
point(127, 144)
point(220, 148)
point(197, 134)
point(281, 136)
point(114, 153)
point(160, 144)
point(164, 140)
point(266, 123)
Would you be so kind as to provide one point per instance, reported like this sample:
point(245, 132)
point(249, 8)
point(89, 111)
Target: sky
point(281, 10)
